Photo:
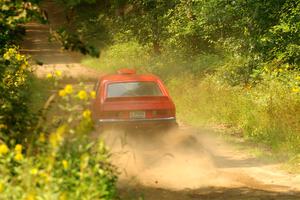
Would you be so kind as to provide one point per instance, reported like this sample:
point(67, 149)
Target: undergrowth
point(265, 109)
point(58, 159)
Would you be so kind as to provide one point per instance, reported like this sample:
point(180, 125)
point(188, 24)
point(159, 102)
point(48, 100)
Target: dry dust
point(162, 160)
point(191, 159)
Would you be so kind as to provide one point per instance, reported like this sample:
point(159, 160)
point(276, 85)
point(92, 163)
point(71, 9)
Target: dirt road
point(186, 164)
point(195, 164)
point(48, 53)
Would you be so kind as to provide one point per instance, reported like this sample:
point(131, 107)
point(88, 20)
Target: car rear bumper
point(138, 123)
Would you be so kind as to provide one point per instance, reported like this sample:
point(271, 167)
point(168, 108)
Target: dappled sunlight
point(226, 71)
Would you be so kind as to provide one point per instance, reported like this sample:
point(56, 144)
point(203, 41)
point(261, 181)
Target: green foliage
point(58, 160)
point(14, 13)
point(146, 21)
point(133, 55)
point(252, 34)
point(282, 41)
point(61, 161)
point(267, 113)
point(15, 74)
point(264, 111)
point(72, 3)
point(15, 117)
point(71, 41)
point(122, 55)
point(85, 28)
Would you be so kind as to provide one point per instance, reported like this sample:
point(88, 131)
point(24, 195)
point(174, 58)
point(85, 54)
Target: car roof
point(129, 77)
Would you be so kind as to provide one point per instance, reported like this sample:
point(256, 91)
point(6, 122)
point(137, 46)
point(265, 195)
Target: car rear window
point(133, 89)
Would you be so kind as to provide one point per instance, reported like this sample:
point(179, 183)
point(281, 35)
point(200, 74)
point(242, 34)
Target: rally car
point(127, 99)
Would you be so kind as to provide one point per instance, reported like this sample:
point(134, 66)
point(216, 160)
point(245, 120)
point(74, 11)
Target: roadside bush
point(45, 153)
point(15, 74)
point(12, 15)
point(60, 161)
point(15, 117)
point(171, 63)
point(122, 55)
point(267, 113)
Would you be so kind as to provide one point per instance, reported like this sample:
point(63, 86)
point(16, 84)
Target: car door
point(95, 102)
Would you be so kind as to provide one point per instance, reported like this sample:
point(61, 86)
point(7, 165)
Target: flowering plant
point(15, 117)
point(61, 161)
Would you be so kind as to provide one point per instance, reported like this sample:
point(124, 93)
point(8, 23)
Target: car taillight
point(162, 113)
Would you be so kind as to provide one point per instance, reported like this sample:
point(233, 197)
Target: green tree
point(282, 41)
point(12, 15)
point(148, 21)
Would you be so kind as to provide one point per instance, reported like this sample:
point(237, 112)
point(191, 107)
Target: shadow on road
point(208, 193)
point(37, 44)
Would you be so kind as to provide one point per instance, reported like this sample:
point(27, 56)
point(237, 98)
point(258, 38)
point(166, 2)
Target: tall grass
point(268, 112)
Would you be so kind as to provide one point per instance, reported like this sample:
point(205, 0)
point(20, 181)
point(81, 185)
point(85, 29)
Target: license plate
point(138, 115)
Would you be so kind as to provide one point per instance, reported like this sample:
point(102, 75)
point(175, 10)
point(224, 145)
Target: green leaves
point(262, 32)
point(282, 41)
point(73, 3)
point(14, 93)
point(12, 15)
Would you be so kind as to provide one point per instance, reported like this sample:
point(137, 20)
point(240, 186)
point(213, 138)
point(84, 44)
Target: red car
point(132, 100)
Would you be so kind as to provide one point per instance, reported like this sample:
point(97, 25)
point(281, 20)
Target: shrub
point(60, 161)
point(15, 117)
point(267, 113)
point(14, 13)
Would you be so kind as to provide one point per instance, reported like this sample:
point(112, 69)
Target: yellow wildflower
point(18, 148)
point(12, 51)
point(295, 90)
point(45, 176)
point(84, 161)
point(62, 93)
point(69, 89)
point(65, 164)
point(6, 56)
point(34, 171)
point(3, 149)
point(23, 66)
point(42, 138)
point(18, 157)
point(63, 196)
point(86, 114)
point(1, 187)
point(57, 137)
point(298, 78)
point(58, 73)
point(53, 139)
point(266, 69)
point(49, 75)
point(19, 57)
point(82, 95)
point(3, 126)
point(93, 94)
point(30, 197)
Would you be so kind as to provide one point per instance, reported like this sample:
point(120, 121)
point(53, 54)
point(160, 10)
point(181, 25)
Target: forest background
point(234, 64)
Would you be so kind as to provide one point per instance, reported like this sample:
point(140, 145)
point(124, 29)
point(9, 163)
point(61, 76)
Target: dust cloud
point(174, 160)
